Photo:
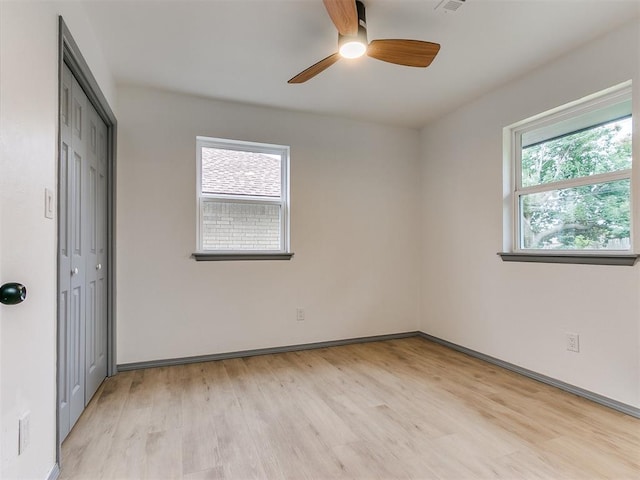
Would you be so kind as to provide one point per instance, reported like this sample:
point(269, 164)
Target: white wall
point(354, 204)
point(519, 312)
point(28, 142)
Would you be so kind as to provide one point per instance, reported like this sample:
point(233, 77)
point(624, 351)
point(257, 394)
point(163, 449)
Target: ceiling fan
point(349, 18)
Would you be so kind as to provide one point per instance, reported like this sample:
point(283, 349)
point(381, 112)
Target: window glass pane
point(240, 226)
point(591, 217)
point(600, 149)
point(234, 172)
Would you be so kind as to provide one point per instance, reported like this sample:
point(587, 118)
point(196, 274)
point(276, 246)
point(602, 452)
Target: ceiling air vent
point(449, 6)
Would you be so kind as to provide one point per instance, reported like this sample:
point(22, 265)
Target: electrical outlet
point(23, 432)
point(300, 314)
point(573, 342)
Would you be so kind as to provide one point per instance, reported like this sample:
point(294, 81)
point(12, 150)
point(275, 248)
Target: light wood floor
point(396, 409)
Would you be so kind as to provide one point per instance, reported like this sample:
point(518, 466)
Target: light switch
point(48, 203)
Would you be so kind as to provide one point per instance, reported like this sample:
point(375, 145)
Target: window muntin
point(242, 197)
point(572, 185)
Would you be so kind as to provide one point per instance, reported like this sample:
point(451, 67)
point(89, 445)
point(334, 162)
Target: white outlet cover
point(573, 342)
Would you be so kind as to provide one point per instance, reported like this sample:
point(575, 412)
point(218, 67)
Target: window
point(571, 177)
point(243, 198)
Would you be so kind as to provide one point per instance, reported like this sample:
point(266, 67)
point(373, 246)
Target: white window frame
point(606, 105)
point(283, 202)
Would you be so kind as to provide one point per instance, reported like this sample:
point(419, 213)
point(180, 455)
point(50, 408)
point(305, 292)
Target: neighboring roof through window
point(235, 172)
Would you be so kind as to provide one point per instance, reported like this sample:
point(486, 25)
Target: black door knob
point(12, 293)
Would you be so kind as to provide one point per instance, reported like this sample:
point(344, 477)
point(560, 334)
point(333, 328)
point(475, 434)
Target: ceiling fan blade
point(344, 15)
point(314, 70)
point(412, 53)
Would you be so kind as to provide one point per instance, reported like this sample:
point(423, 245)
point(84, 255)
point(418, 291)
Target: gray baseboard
point(581, 392)
point(54, 473)
point(261, 351)
point(595, 397)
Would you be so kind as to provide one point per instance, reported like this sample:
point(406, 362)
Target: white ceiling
point(246, 50)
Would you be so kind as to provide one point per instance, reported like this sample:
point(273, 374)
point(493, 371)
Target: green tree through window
point(593, 214)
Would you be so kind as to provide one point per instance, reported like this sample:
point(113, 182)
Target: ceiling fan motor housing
point(361, 36)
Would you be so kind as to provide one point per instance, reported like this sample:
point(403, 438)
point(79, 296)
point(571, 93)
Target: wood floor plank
point(93, 433)
point(259, 418)
point(399, 409)
point(199, 446)
point(163, 454)
point(315, 426)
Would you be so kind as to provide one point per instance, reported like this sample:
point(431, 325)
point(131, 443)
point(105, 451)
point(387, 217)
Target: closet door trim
point(69, 53)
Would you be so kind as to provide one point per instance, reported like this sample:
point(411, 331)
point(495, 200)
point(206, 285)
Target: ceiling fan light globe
point(353, 49)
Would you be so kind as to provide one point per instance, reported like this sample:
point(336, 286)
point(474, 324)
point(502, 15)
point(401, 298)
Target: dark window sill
point(577, 258)
point(217, 257)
